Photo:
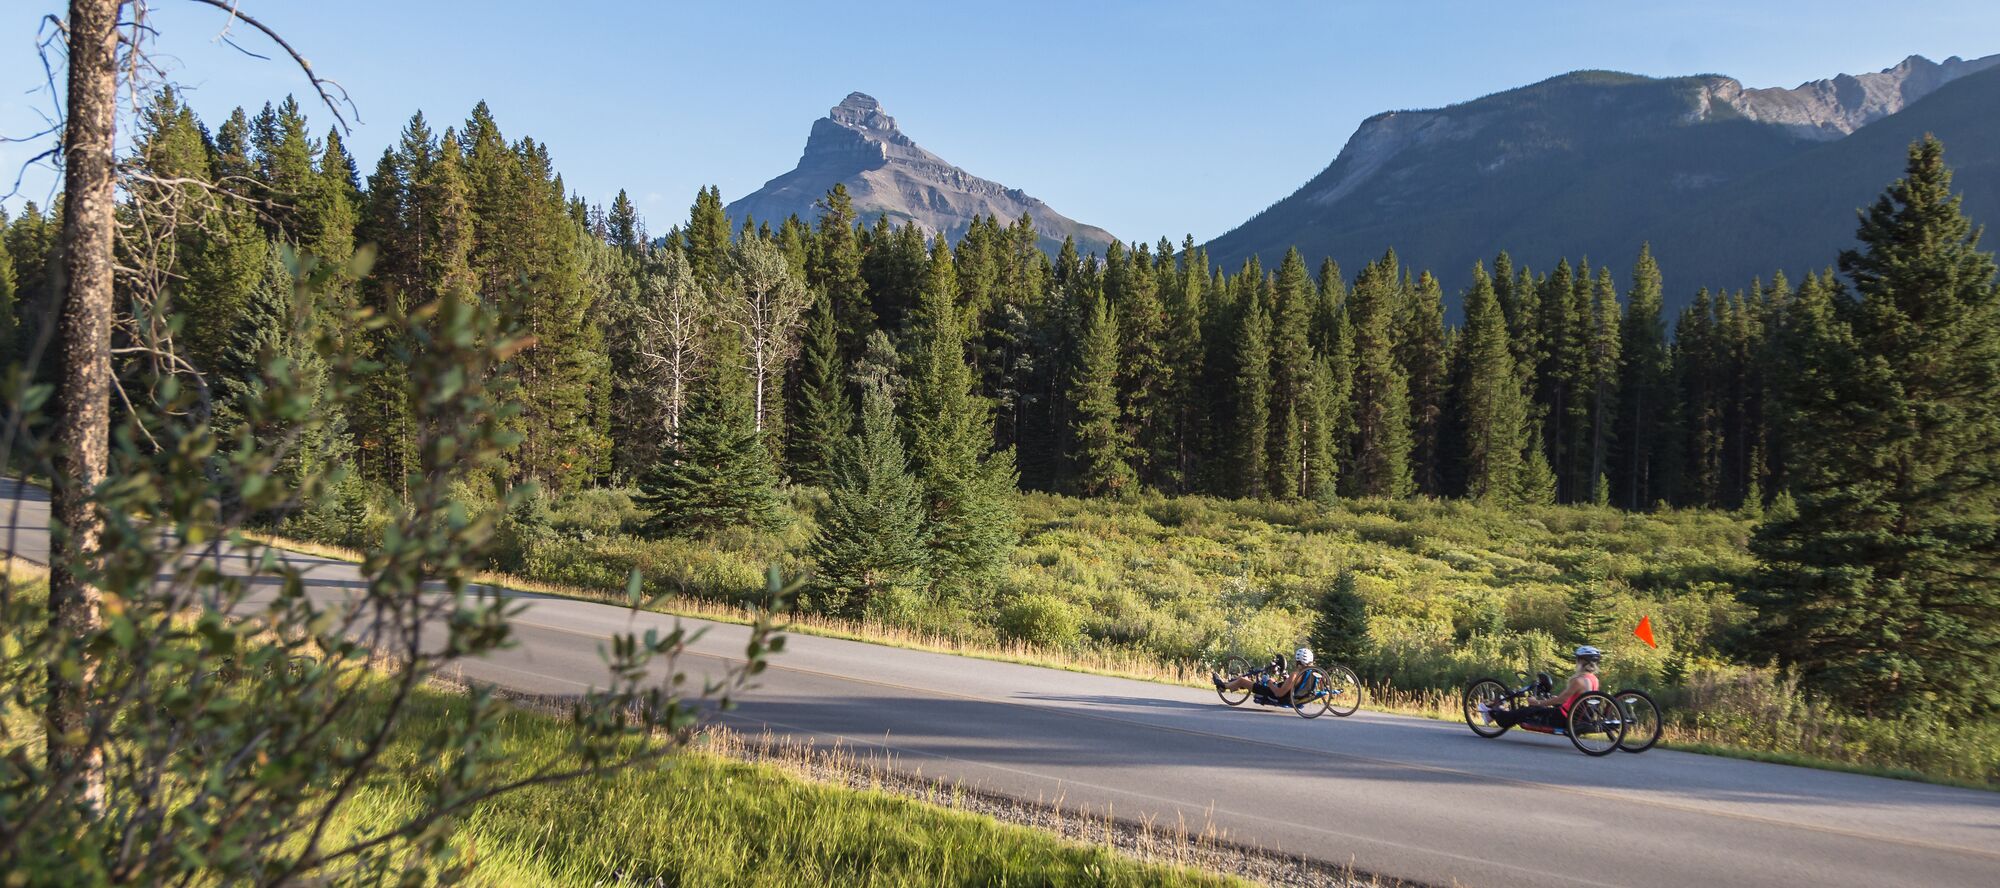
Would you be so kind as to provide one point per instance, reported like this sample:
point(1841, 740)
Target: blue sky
point(1147, 118)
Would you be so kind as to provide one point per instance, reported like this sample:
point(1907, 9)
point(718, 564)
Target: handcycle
point(1596, 723)
point(1320, 690)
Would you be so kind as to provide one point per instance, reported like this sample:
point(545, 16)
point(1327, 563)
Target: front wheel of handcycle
point(1343, 690)
point(1309, 695)
point(1494, 695)
point(1234, 667)
point(1596, 724)
point(1642, 720)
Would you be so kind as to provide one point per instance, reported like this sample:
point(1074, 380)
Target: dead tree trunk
point(84, 397)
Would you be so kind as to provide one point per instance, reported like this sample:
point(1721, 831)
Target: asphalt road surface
point(1414, 799)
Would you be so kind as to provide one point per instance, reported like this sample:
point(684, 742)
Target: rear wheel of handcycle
point(1596, 726)
point(1343, 690)
point(1309, 699)
point(1642, 720)
point(1233, 668)
point(1492, 693)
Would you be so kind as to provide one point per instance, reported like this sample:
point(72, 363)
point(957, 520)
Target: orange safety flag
point(1645, 631)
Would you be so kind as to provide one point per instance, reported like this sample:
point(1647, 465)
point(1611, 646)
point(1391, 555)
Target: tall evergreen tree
point(1251, 404)
point(717, 472)
point(1381, 449)
point(869, 554)
point(1492, 410)
point(822, 414)
point(1101, 448)
point(971, 526)
point(1420, 350)
point(1884, 588)
point(706, 238)
point(1645, 398)
point(1294, 398)
point(1601, 355)
point(835, 269)
point(1185, 352)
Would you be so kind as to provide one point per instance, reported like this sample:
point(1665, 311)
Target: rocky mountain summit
point(1724, 182)
point(888, 174)
point(1825, 110)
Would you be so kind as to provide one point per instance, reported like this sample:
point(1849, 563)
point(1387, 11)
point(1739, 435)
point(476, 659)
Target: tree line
point(919, 382)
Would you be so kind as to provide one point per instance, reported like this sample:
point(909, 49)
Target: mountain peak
point(860, 110)
point(888, 174)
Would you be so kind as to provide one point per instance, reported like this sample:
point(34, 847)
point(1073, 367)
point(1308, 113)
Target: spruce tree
point(717, 472)
point(1420, 350)
point(1492, 410)
point(1186, 353)
point(1645, 398)
point(967, 488)
point(1586, 622)
point(1251, 405)
point(1884, 588)
point(1294, 399)
point(707, 238)
point(835, 269)
point(869, 554)
point(1340, 625)
point(1381, 448)
point(822, 413)
point(1602, 366)
point(1101, 447)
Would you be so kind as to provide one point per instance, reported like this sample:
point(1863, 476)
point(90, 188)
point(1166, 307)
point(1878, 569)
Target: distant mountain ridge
point(888, 173)
point(1593, 163)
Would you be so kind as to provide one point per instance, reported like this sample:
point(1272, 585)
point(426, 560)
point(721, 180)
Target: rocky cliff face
point(1824, 110)
point(1594, 163)
point(888, 173)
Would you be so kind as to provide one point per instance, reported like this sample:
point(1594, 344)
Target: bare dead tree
point(766, 302)
point(83, 425)
point(673, 316)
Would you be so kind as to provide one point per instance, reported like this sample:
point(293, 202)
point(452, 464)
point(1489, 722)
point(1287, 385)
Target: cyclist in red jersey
point(1557, 705)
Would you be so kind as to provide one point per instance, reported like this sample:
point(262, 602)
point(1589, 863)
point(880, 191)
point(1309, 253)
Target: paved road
point(1409, 798)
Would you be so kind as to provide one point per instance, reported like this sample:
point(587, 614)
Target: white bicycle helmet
point(1304, 656)
point(1587, 652)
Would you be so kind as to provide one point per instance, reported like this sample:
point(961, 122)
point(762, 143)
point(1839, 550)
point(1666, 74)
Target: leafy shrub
point(1041, 619)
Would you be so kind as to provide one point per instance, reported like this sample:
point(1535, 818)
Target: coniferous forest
point(906, 390)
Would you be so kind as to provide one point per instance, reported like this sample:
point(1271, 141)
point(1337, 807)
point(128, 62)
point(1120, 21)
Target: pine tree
point(1645, 397)
point(1586, 622)
point(1381, 461)
point(1602, 366)
point(822, 414)
point(1185, 352)
point(967, 488)
point(1884, 588)
point(1101, 448)
point(870, 552)
point(1340, 626)
point(717, 472)
point(623, 223)
point(1420, 351)
point(1133, 292)
point(1492, 410)
point(1294, 399)
point(835, 270)
point(706, 238)
point(1252, 401)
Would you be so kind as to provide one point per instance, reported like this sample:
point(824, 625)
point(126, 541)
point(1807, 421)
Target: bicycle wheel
point(1491, 693)
point(1343, 690)
point(1232, 668)
point(1596, 727)
point(1642, 720)
point(1309, 697)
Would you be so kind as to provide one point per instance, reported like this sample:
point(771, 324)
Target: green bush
point(1041, 619)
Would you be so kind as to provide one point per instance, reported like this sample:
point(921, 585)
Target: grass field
point(1163, 588)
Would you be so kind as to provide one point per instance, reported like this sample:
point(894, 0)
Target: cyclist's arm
point(1577, 685)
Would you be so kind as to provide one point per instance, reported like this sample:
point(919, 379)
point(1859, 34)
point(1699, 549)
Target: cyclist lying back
point(1261, 679)
point(1557, 705)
